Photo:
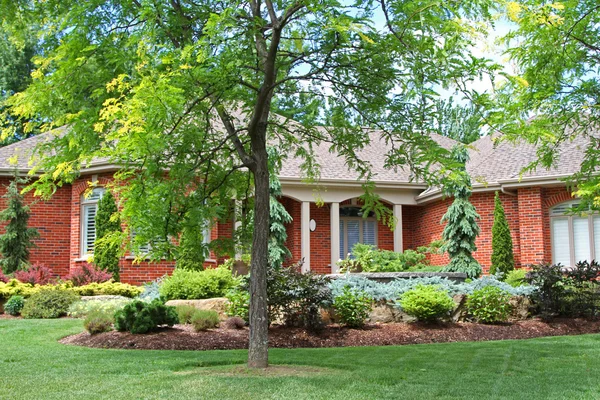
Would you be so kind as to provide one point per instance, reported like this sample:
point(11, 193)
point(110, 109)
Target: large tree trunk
point(258, 351)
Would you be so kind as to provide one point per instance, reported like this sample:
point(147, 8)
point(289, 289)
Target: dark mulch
point(182, 337)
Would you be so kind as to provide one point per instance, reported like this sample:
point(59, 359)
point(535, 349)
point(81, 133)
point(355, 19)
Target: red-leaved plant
point(3, 278)
point(37, 274)
point(87, 273)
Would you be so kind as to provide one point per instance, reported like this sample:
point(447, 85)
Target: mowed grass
point(33, 365)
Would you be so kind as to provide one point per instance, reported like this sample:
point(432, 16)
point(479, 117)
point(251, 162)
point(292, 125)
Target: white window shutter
point(89, 228)
point(560, 241)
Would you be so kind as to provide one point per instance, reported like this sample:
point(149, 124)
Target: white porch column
point(305, 235)
point(398, 246)
point(335, 236)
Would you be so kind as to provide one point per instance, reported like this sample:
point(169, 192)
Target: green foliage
point(17, 238)
point(48, 303)
point(489, 305)
point(366, 258)
point(427, 303)
point(185, 312)
point(14, 305)
point(352, 307)
point(194, 285)
point(203, 320)
point(278, 215)
point(192, 249)
point(81, 309)
point(239, 303)
point(98, 322)
point(503, 259)
point(516, 277)
point(461, 228)
point(461, 123)
point(107, 247)
point(140, 317)
point(108, 288)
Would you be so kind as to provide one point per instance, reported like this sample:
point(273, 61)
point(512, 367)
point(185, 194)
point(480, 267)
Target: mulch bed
point(182, 337)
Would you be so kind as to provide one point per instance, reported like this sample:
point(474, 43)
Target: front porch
point(322, 233)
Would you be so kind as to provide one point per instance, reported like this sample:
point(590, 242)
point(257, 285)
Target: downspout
point(503, 190)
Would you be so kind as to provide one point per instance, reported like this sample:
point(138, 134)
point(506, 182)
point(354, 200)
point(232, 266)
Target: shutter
point(581, 239)
point(89, 228)
point(597, 237)
point(560, 241)
point(342, 236)
point(353, 231)
point(370, 232)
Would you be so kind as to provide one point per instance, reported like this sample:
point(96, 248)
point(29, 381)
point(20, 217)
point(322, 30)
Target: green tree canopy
point(108, 226)
point(199, 89)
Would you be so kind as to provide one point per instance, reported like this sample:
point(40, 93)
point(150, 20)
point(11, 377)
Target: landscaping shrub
point(185, 312)
point(202, 320)
point(14, 287)
point(503, 259)
point(427, 303)
point(14, 305)
point(49, 303)
point(3, 278)
point(352, 307)
point(81, 309)
point(98, 322)
point(140, 317)
point(391, 291)
point(18, 237)
point(151, 290)
point(234, 323)
point(37, 274)
point(367, 258)
point(489, 305)
point(85, 274)
point(239, 302)
point(190, 285)
point(108, 224)
point(108, 288)
point(516, 277)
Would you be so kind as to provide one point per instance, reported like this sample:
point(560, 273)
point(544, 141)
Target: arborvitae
point(17, 238)
point(503, 259)
point(461, 222)
point(106, 251)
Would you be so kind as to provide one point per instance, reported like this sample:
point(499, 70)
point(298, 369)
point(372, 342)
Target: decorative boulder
point(218, 304)
point(520, 307)
point(460, 308)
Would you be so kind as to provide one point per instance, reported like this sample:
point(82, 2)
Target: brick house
point(535, 206)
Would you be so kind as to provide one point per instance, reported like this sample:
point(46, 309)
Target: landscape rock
point(521, 306)
point(460, 308)
point(218, 304)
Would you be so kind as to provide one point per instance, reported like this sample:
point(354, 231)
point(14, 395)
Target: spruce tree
point(107, 251)
point(503, 259)
point(461, 221)
point(17, 238)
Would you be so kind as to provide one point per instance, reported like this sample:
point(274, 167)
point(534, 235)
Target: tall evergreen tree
point(107, 252)
point(503, 259)
point(461, 221)
point(17, 239)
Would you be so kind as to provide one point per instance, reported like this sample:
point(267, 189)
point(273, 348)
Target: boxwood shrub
point(193, 285)
point(427, 303)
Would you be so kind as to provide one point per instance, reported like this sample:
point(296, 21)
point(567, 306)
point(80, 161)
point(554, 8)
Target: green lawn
point(34, 366)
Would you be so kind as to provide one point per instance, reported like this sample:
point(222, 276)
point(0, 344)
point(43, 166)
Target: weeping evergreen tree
point(192, 248)
point(17, 238)
point(461, 221)
point(503, 259)
point(108, 223)
point(278, 216)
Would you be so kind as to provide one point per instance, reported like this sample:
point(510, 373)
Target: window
point(89, 208)
point(354, 228)
point(575, 237)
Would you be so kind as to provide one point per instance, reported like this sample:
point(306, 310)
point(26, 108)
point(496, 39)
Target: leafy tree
point(17, 239)
point(108, 224)
point(278, 217)
point(192, 248)
point(461, 228)
point(186, 96)
point(462, 123)
point(552, 95)
point(503, 259)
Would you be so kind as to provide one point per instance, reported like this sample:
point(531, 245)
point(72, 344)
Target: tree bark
point(258, 351)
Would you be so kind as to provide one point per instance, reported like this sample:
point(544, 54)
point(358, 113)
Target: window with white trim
point(89, 208)
point(355, 228)
point(575, 237)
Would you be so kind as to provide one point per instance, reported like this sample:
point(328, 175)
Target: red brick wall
point(531, 225)
point(385, 236)
point(320, 239)
point(293, 231)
